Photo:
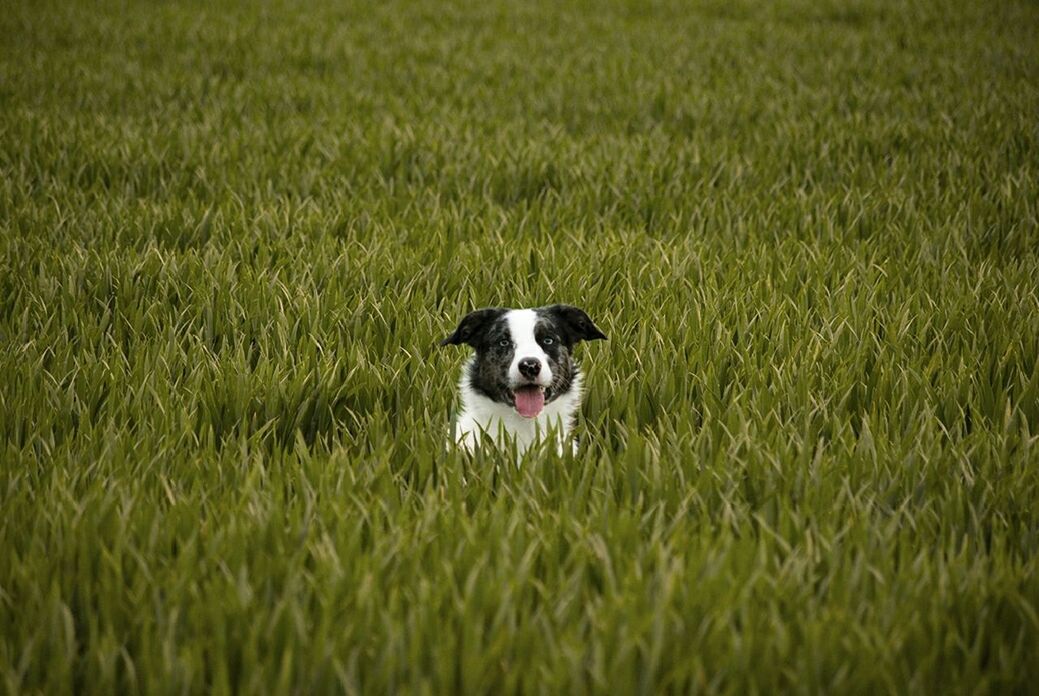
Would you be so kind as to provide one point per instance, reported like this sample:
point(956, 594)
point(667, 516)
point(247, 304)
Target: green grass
point(231, 234)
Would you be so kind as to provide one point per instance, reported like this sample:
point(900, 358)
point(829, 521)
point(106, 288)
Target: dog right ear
point(473, 326)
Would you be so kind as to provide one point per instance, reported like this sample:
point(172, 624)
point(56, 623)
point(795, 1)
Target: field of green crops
point(232, 233)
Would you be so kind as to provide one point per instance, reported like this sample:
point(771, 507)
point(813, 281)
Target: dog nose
point(529, 367)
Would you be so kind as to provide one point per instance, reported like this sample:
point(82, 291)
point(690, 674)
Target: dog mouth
point(529, 400)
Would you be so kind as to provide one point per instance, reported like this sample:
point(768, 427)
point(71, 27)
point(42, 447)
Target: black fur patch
point(571, 323)
point(489, 370)
point(473, 326)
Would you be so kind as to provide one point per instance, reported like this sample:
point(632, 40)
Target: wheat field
point(233, 232)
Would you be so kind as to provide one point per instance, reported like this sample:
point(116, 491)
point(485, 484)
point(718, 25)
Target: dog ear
point(472, 326)
point(575, 324)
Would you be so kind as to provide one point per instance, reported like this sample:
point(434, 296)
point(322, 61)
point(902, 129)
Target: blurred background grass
point(232, 233)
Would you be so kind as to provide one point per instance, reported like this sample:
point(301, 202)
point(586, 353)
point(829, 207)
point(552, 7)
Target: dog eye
point(547, 340)
point(504, 343)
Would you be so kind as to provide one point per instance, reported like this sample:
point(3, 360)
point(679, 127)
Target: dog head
point(524, 356)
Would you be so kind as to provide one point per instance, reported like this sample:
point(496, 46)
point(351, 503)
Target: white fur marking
point(521, 326)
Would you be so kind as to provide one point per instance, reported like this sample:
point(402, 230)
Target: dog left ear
point(471, 329)
point(576, 325)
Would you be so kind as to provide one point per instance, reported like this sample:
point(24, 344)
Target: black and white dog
point(522, 384)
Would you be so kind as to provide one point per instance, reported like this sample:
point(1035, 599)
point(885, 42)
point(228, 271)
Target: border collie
point(522, 383)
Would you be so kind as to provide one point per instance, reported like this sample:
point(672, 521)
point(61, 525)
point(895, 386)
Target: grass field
point(231, 234)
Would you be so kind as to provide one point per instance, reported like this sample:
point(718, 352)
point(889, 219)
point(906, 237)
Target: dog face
point(523, 356)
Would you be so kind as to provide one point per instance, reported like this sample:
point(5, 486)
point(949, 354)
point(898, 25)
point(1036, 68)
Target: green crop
point(232, 233)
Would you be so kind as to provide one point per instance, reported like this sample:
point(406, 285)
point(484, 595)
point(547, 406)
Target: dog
point(522, 384)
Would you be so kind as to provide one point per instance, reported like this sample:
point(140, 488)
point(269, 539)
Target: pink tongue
point(529, 401)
